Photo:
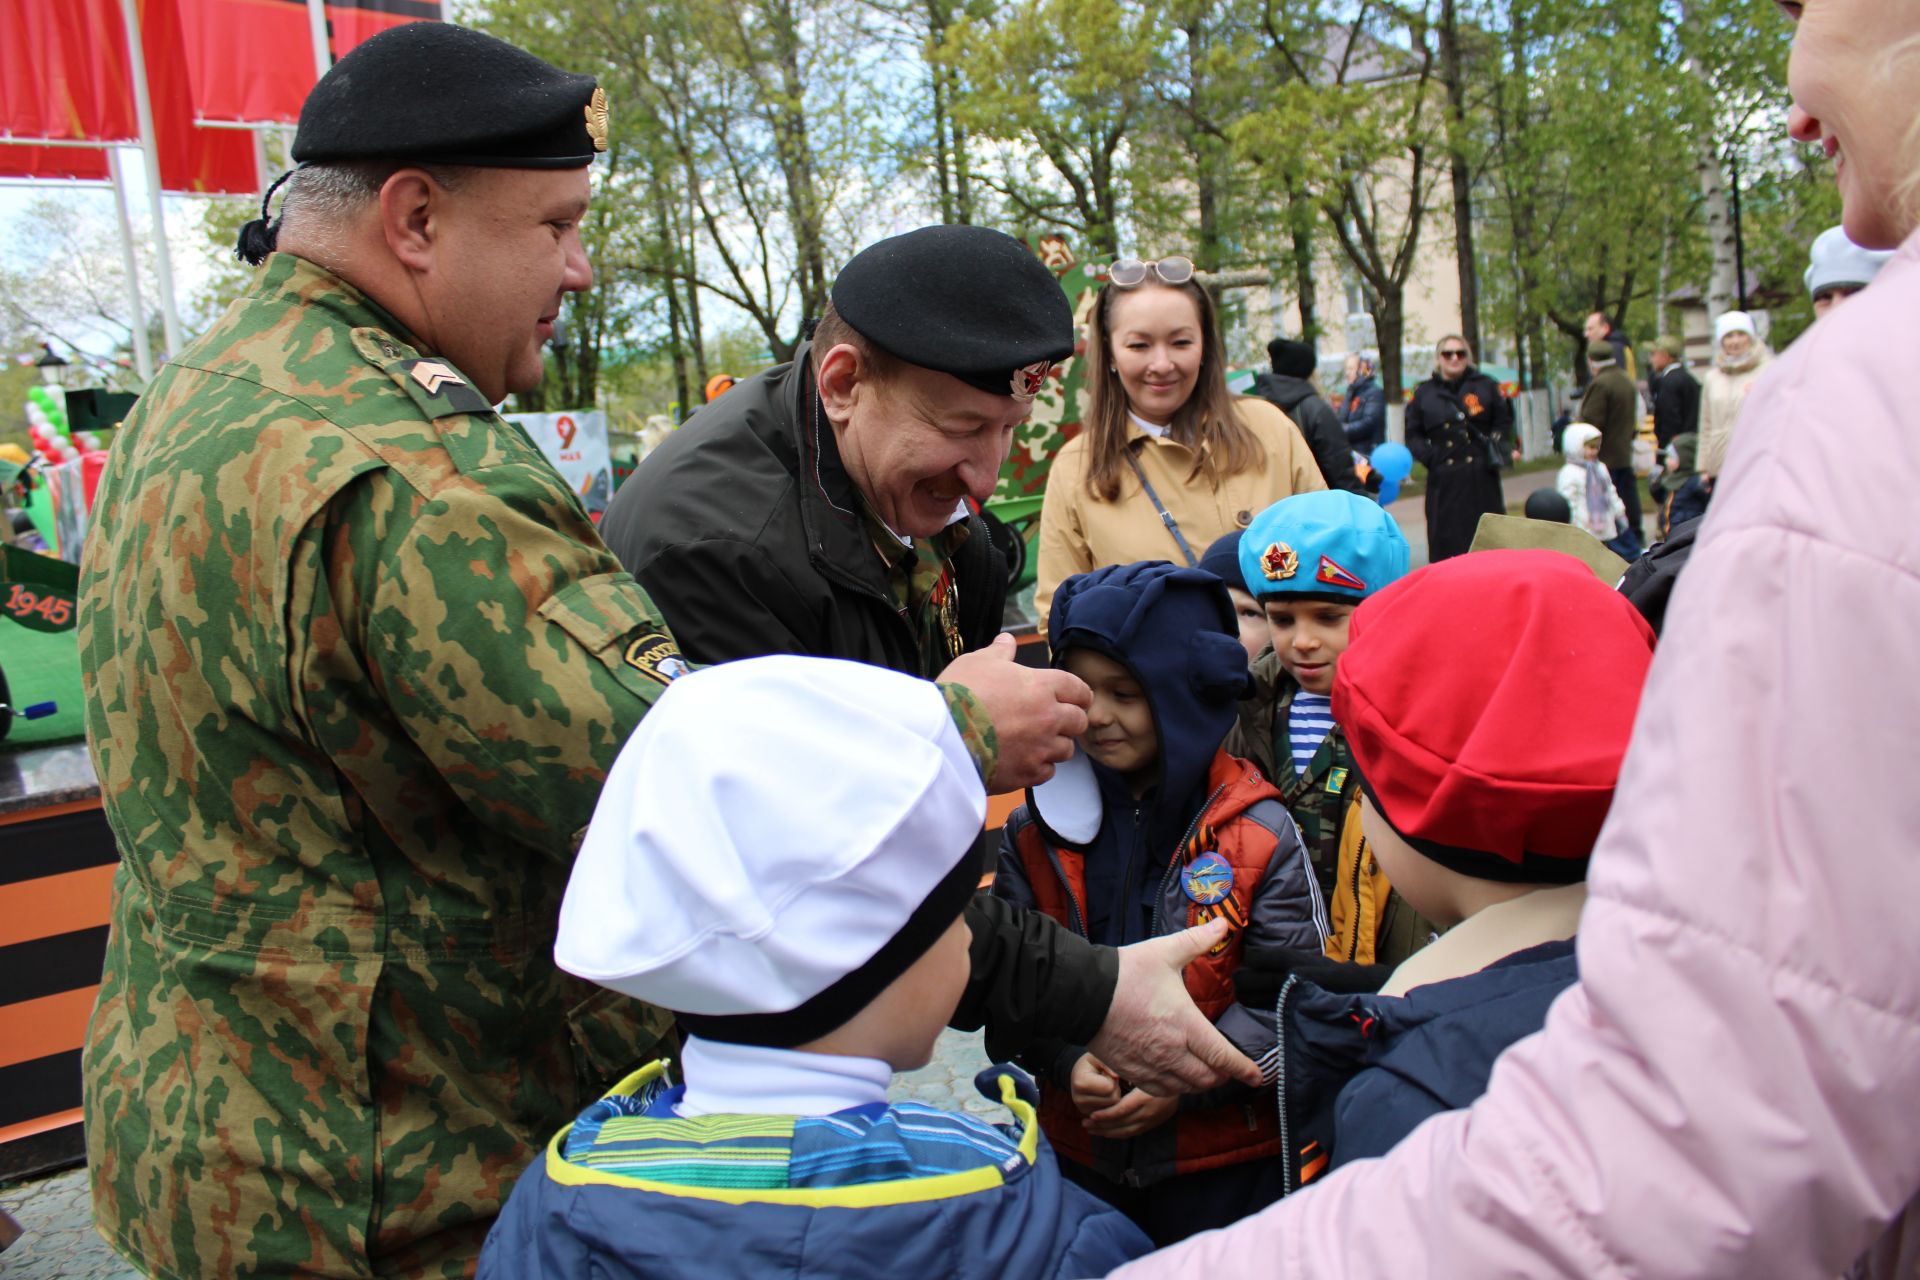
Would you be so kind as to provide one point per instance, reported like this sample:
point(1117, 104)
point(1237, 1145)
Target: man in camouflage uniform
point(356, 663)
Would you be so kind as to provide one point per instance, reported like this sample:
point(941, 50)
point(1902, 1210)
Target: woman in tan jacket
point(1161, 425)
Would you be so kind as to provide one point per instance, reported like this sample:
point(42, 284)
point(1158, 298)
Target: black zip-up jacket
point(748, 533)
point(1676, 404)
point(1318, 423)
point(746, 530)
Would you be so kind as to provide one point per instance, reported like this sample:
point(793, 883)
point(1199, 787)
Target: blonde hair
point(1906, 192)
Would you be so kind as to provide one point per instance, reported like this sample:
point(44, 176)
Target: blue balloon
point(1394, 463)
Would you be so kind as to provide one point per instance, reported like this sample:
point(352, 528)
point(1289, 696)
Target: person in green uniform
point(356, 663)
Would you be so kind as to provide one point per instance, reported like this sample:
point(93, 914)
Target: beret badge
point(1279, 562)
point(1028, 379)
point(598, 117)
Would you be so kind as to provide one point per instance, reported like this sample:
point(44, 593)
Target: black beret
point(440, 94)
point(1293, 359)
point(967, 301)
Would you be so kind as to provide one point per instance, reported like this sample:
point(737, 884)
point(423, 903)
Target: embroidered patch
point(1334, 574)
point(1279, 562)
point(656, 658)
point(1474, 407)
point(1336, 779)
point(1207, 879)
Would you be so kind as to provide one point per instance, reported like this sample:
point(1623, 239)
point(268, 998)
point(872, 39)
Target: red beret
point(1488, 700)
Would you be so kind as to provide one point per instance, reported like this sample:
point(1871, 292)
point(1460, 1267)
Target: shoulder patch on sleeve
point(439, 389)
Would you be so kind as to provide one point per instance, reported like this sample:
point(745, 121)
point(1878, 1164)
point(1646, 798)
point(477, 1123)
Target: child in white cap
point(781, 856)
point(1837, 268)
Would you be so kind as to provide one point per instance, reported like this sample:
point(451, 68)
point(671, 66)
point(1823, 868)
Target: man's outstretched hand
point(1036, 713)
point(1155, 1037)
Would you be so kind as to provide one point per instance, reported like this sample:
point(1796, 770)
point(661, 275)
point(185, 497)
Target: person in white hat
point(1738, 360)
point(795, 898)
point(1838, 268)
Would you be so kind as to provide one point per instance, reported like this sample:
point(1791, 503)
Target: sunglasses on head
point(1125, 273)
point(1454, 353)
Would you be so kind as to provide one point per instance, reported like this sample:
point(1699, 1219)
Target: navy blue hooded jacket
point(1175, 630)
point(1361, 1072)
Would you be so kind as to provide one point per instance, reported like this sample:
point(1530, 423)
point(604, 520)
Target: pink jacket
point(1734, 1087)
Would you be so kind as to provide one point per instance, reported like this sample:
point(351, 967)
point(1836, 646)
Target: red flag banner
point(193, 160)
point(87, 164)
point(252, 60)
point(63, 71)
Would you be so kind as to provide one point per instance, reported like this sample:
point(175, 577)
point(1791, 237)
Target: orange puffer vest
point(1194, 1139)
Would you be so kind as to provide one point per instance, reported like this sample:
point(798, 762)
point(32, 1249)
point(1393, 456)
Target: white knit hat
point(780, 839)
point(1837, 260)
point(1733, 322)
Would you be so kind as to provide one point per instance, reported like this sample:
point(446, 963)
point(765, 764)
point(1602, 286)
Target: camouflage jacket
point(355, 664)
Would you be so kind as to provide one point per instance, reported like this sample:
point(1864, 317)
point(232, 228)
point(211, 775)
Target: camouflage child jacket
point(356, 663)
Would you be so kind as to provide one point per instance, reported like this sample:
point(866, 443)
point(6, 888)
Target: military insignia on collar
point(657, 658)
point(1335, 575)
point(434, 377)
point(1279, 562)
point(1207, 879)
point(1027, 381)
point(598, 118)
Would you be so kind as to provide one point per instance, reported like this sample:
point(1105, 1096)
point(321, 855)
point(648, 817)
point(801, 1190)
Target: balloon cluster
point(47, 427)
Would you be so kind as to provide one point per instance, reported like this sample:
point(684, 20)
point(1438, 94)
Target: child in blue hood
point(1149, 829)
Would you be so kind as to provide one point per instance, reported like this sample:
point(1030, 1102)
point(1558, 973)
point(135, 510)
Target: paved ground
point(60, 1243)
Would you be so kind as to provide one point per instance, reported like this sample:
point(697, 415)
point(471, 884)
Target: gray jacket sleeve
point(1287, 913)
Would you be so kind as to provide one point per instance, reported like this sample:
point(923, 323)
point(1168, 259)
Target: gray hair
point(318, 197)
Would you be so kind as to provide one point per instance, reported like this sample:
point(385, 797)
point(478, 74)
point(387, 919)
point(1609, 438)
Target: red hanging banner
point(193, 160)
point(64, 71)
point(85, 164)
point(251, 61)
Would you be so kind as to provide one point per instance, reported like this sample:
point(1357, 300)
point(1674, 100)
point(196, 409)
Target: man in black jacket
point(1676, 396)
point(1288, 387)
point(818, 508)
point(821, 507)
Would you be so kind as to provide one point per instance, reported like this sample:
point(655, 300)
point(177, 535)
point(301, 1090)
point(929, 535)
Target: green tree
point(1063, 82)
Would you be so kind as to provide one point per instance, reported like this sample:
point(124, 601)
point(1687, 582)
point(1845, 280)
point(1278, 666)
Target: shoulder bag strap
point(1166, 517)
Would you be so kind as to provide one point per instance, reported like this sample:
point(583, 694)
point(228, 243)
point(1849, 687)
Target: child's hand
point(1093, 1085)
point(1132, 1115)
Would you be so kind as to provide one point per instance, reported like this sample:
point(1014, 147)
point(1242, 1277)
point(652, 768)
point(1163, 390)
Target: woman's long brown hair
point(1206, 423)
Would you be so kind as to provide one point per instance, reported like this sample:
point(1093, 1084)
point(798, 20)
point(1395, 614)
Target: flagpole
point(150, 154)
point(142, 348)
point(317, 25)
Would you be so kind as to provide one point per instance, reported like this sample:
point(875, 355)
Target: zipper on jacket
point(1173, 863)
point(1287, 1160)
point(1053, 860)
point(1359, 860)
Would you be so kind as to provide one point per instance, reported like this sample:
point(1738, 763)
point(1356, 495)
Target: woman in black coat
point(1460, 428)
